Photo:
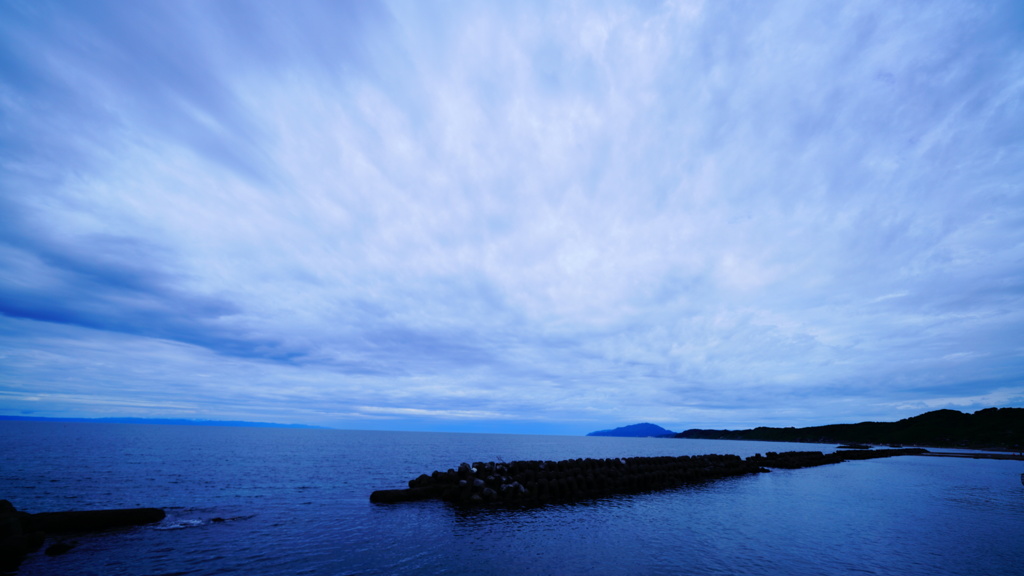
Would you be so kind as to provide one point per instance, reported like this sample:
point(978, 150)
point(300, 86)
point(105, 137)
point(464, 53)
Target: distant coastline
point(166, 421)
point(1000, 429)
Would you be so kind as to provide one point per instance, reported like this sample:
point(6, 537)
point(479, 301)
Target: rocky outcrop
point(21, 532)
point(17, 536)
point(94, 520)
point(526, 483)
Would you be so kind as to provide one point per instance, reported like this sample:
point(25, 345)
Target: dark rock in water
point(95, 520)
point(34, 540)
point(10, 525)
point(854, 447)
point(14, 543)
point(59, 548)
point(12, 552)
point(21, 533)
point(423, 480)
point(219, 520)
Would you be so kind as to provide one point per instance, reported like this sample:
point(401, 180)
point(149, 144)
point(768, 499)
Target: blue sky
point(545, 217)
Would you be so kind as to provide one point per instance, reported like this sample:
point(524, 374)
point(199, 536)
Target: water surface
point(297, 503)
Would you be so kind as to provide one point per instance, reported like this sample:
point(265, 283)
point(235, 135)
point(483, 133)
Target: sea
point(296, 502)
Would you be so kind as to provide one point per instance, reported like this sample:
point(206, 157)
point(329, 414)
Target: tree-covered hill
point(991, 428)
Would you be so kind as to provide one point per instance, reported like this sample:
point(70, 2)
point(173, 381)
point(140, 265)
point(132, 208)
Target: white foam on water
point(180, 524)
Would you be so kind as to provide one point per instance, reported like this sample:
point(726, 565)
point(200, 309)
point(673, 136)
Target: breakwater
point(533, 482)
point(978, 455)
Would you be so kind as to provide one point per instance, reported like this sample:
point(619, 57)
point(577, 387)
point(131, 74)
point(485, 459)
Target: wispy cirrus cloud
point(428, 215)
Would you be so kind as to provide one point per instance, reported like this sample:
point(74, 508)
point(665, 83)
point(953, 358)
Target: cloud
point(445, 213)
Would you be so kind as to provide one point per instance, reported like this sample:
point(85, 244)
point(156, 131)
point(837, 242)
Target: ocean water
point(297, 502)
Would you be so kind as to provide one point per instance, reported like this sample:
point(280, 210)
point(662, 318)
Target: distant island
point(988, 429)
point(168, 421)
point(642, 430)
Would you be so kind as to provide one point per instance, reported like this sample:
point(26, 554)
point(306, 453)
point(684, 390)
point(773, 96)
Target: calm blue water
point(301, 499)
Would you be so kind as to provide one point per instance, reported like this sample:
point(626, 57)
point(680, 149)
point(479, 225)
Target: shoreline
point(997, 451)
point(975, 455)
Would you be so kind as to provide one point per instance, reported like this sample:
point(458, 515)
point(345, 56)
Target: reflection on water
point(296, 501)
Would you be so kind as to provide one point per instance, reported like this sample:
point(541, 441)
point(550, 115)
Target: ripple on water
point(305, 494)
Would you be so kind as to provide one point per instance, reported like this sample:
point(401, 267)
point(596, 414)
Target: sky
point(529, 217)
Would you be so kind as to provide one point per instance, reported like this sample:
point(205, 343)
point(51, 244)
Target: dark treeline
point(992, 428)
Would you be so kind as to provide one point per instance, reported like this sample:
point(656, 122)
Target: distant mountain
point(170, 421)
point(991, 428)
point(643, 430)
